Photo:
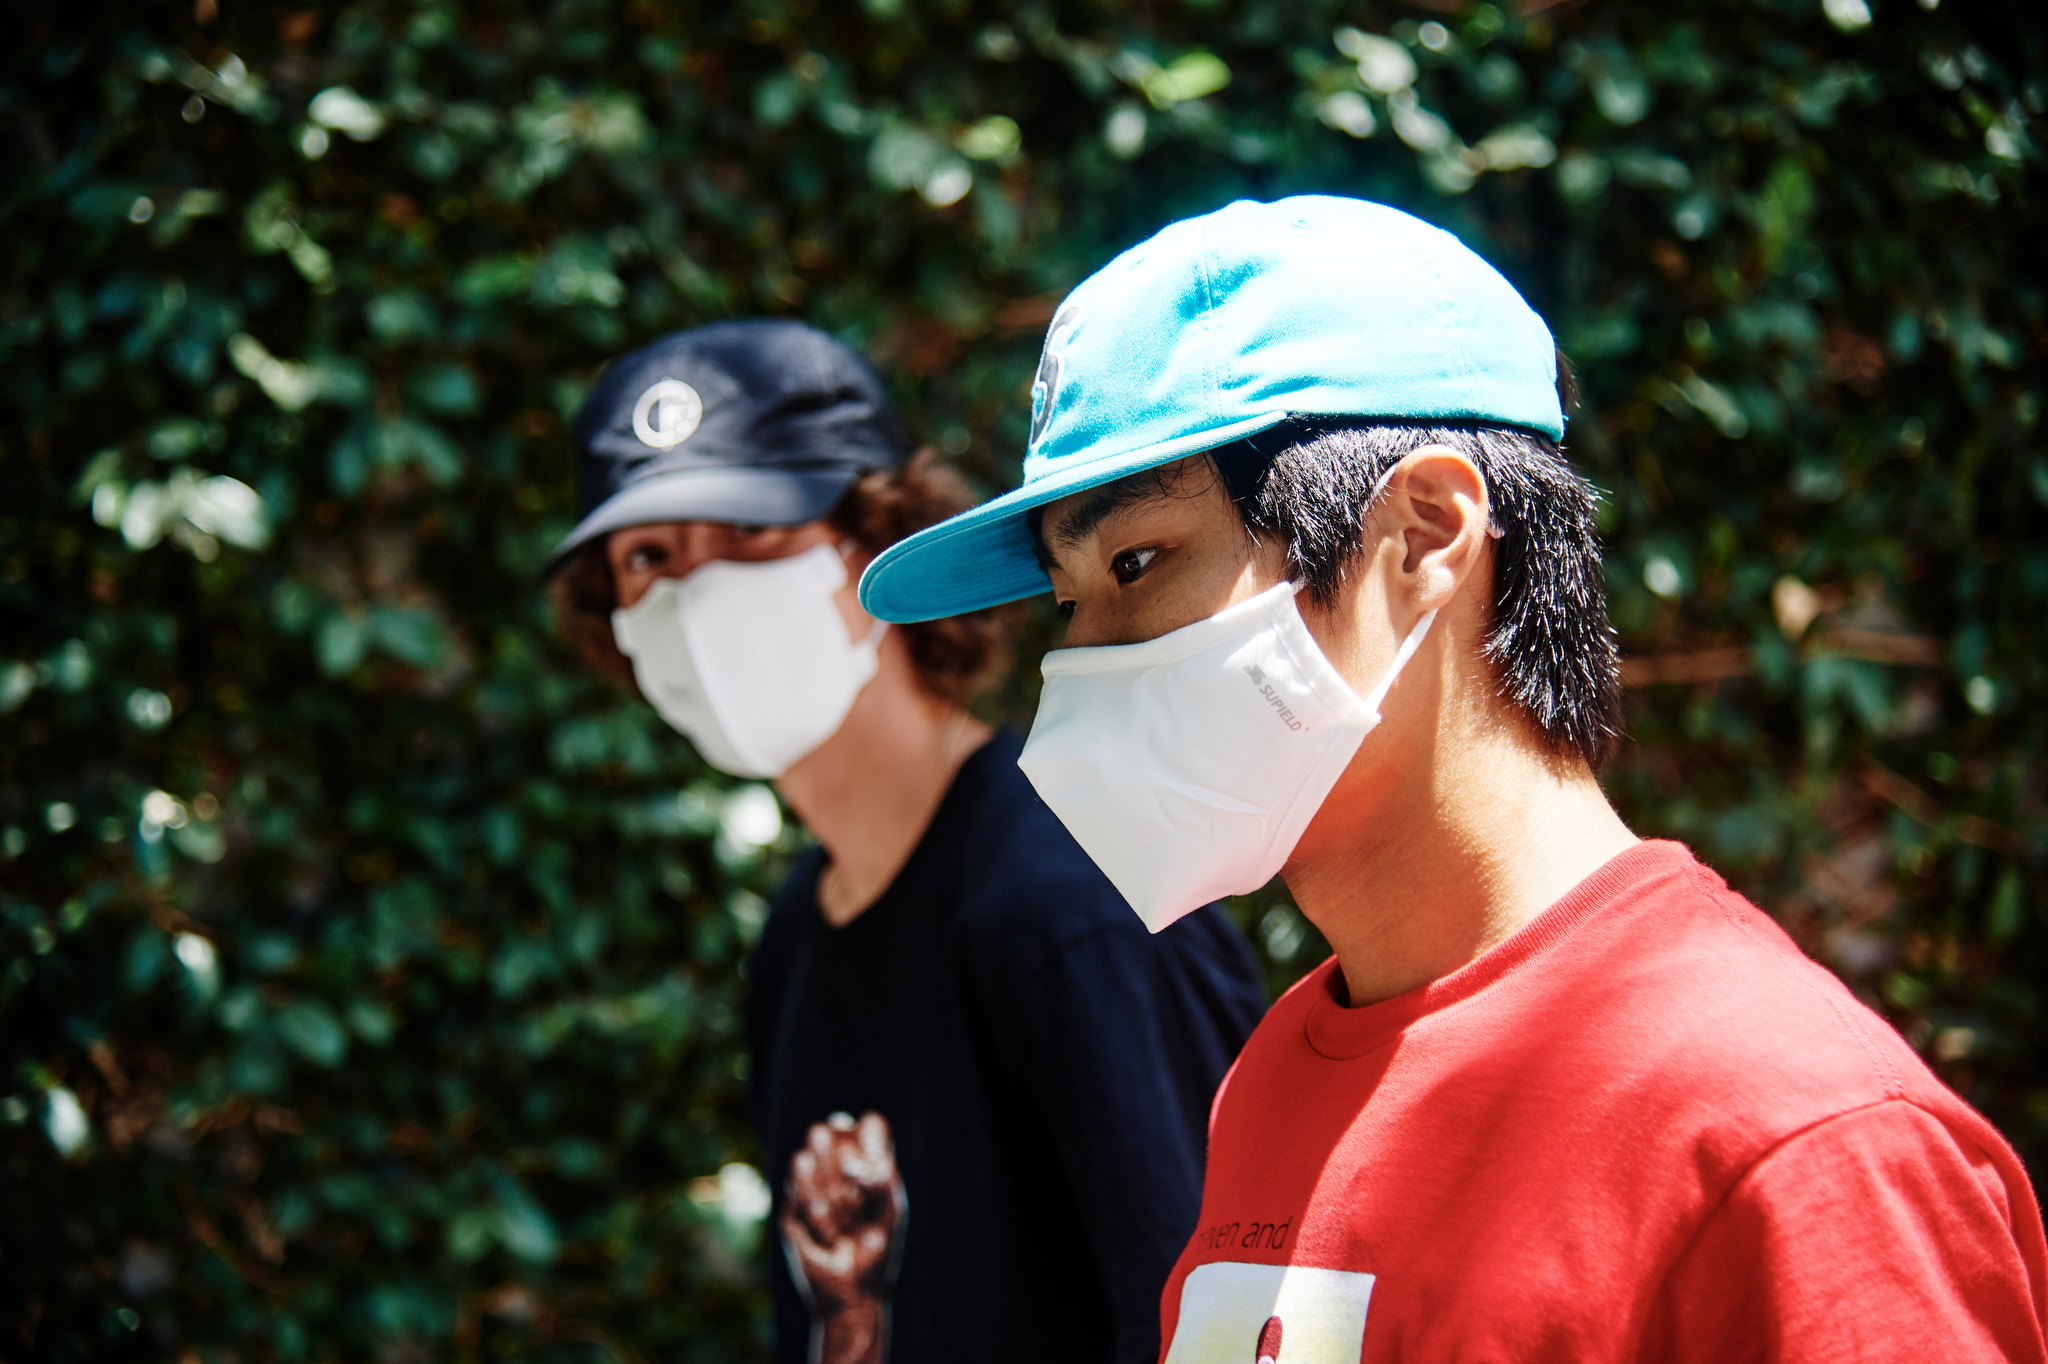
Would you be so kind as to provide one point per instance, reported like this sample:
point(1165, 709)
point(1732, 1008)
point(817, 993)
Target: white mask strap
point(847, 549)
point(1401, 657)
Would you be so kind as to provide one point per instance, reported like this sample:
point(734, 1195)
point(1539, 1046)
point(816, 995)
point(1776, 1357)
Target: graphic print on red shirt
point(1234, 1313)
point(1644, 1127)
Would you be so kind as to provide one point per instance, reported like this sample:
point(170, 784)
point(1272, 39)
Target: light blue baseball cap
point(1217, 328)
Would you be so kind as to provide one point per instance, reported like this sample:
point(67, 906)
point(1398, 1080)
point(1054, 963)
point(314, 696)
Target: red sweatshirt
point(1646, 1127)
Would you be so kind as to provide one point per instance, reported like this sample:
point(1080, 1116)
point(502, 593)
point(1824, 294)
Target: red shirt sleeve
point(1873, 1236)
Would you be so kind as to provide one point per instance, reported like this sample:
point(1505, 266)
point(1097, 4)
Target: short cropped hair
point(1310, 485)
point(954, 657)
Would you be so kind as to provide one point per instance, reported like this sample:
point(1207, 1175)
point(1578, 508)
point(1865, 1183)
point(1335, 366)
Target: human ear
point(1436, 501)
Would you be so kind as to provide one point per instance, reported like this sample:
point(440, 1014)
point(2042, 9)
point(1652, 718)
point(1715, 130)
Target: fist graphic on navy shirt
point(843, 1210)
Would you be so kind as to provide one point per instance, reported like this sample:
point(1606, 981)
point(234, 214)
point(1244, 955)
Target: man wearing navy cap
point(1335, 613)
point(980, 1085)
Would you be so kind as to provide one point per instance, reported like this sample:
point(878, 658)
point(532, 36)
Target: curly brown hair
point(954, 656)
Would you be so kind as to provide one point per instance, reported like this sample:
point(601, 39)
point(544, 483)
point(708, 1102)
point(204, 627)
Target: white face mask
point(1189, 765)
point(750, 660)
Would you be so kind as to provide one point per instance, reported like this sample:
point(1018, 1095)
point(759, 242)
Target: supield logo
point(1280, 707)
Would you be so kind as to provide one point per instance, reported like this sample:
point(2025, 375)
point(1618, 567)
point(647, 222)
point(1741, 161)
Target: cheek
point(1354, 633)
point(1220, 581)
point(1189, 587)
point(629, 586)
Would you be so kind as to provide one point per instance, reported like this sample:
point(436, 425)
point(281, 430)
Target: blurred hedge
point(371, 974)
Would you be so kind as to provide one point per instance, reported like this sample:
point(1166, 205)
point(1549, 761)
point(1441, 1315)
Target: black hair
point(1310, 485)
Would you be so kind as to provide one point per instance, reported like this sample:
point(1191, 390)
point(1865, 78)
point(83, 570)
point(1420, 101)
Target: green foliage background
point(371, 975)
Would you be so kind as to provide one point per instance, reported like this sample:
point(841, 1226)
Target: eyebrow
point(1096, 506)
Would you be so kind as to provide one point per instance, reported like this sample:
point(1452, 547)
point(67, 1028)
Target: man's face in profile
point(1135, 560)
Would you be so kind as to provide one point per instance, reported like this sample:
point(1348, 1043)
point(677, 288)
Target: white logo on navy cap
point(667, 414)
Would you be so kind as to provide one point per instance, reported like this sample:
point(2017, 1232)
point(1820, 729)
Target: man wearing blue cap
point(980, 1086)
point(1560, 1094)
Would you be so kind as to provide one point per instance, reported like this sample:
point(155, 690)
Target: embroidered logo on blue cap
point(1045, 386)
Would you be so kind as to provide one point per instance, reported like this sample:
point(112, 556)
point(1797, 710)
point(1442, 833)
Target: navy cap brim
point(741, 496)
point(985, 556)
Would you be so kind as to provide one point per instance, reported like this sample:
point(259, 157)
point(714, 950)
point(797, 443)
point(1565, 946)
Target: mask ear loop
point(1401, 657)
point(847, 549)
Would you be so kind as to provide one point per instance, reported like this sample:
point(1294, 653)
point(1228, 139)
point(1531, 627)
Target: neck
point(869, 792)
point(1476, 830)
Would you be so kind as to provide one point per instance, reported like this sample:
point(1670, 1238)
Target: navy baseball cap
point(756, 422)
point(1217, 328)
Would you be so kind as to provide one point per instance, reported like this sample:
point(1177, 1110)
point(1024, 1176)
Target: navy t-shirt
point(991, 1091)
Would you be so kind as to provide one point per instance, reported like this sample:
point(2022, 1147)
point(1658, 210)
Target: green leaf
point(342, 640)
point(310, 1028)
point(1906, 991)
point(777, 100)
point(176, 437)
point(372, 1020)
point(147, 953)
point(470, 1234)
point(405, 441)
point(449, 388)
point(2006, 915)
point(992, 139)
point(1192, 75)
point(401, 315)
point(410, 634)
point(493, 278)
point(523, 1227)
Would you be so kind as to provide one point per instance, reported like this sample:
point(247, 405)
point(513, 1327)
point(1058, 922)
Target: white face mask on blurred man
point(752, 661)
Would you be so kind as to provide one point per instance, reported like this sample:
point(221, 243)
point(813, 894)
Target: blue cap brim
point(985, 556)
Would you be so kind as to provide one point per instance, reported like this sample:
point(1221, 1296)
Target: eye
point(1130, 565)
point(641, 558)
point(753, 542)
